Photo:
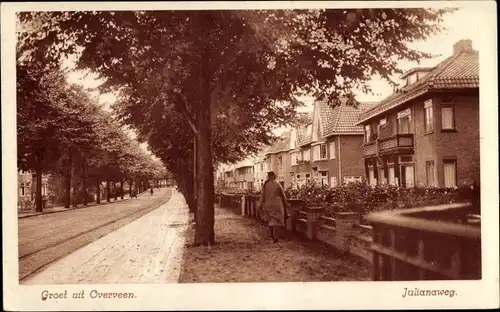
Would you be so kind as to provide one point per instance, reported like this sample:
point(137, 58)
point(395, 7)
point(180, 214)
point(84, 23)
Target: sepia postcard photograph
point(249, 155)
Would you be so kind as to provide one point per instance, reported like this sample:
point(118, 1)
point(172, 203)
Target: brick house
point(427, 133)
point(329, 146)
point(277, 158)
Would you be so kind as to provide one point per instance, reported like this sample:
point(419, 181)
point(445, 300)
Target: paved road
point(147, 250)
point(45, 238)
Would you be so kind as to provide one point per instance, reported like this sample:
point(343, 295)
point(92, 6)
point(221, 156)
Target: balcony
point(395, 144)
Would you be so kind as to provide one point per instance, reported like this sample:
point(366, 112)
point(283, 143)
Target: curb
point(75, 208)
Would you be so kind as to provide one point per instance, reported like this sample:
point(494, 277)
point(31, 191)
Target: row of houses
point(424, 134)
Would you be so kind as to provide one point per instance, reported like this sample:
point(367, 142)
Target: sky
point(462, 24)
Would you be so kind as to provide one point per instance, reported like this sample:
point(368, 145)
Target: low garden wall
point(368, 235)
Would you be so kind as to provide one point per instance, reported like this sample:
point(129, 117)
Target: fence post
point(295, 206)
point(345, 224)
point(313, 214)
point(243, 200)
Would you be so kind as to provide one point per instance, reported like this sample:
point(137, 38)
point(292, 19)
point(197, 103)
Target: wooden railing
point(390, 144)
point(395, 142)
point(370, 149)
point(427, 243)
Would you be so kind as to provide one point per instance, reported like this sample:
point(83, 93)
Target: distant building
point(427, 133)
point(277, 158)
point(27, 188)
point(329, 146)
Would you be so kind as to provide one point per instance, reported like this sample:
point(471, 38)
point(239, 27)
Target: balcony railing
point(388, 145)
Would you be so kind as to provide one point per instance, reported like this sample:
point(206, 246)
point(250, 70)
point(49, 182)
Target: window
point(450, 173)
point(306, 155)
point(447, 117)
point(430, 173)
point(323, 175)
point(404, 121)
point(371, 176)
point(261, 167)
point(299, 181)
point(22, 189)
point(322, 151)
point(391, 176)
point(367, 133)
point(428, 116)
point(381, 175)
point(408, 177)
point(333, 181)
point(332, 150)
point(315, 152)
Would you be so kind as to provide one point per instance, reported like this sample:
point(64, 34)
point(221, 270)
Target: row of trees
point(204, 87)
point(63, 131)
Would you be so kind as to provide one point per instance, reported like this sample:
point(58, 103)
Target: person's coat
point(273, 202)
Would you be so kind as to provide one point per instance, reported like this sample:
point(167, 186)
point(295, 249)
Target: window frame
point(428, 124)
point(453, 161)
point(454, 126)
point(427, 163)
point(323, 145)
point(405, 113)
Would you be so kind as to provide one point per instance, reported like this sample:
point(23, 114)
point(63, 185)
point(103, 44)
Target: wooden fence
point(426, 243)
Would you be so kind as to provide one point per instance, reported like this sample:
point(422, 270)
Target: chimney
point(464, 45)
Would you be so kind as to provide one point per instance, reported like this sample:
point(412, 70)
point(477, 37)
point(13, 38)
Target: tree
point(205, 66)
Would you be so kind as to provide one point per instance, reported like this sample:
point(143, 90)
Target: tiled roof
point(302, 136)
point(340, 119)
point(459, 71)
point(281, 145)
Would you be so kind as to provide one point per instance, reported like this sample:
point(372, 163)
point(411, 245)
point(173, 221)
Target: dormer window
point(411, 79)
point(415, 74)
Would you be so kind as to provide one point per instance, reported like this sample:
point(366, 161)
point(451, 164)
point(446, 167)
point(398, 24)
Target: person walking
point(273, 202)
point(151, 191)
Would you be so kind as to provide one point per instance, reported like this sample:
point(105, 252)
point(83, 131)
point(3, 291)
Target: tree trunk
point(67, 197)
point(98, 194)
point(38, 192)
point(121, 189)
point(130, 188)
point(204, 234)
point(115, 190)
point(108, 195)
point(84, 182)
point(195, 176)
point(74, 187)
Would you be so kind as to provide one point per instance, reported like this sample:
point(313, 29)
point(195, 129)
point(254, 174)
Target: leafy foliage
point(363, 198)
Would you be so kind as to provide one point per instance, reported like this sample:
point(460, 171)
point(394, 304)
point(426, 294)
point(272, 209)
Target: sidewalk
point(244, 252)
point(147, 250)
